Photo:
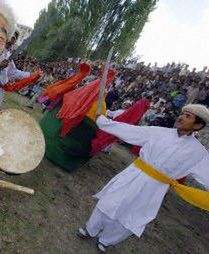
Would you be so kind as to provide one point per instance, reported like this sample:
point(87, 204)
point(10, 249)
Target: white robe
point(132, 197)
point(9, 73)
point(107, 231)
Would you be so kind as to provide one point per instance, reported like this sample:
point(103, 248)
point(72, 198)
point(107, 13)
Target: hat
point(199, 110)
point(7, 13)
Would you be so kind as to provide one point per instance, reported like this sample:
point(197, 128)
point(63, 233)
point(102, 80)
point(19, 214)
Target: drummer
point(8, 70)
point(7, 28)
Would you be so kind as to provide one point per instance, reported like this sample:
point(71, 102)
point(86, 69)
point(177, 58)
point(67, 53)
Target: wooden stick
point(12, 186)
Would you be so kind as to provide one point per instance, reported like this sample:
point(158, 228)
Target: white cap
point(199, 110)
point(7, 13)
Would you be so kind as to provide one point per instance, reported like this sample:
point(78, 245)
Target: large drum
point(22, 144)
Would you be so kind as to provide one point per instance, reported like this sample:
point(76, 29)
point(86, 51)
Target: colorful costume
point(54, 93)
point(132, 116)
point(69, 129)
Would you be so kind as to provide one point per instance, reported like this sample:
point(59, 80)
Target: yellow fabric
point(193, 196)
point(93, 110)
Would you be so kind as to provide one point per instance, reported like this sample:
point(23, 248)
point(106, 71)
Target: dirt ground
point(47, 222)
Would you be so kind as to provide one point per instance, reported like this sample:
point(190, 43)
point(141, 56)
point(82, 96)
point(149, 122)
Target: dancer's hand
point(97, 116)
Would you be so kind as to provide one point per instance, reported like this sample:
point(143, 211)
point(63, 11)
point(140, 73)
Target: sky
point(27, 11)
point(178, 30)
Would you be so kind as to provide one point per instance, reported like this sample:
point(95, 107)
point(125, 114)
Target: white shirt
point(132, 197)
point(10, 72)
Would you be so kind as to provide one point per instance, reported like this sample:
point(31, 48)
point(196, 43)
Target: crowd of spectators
point(169, 87)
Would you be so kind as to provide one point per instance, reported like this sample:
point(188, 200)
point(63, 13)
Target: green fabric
point(73, 150)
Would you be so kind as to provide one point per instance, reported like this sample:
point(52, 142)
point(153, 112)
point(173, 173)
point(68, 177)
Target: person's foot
point(83, 233)
point(101, 247)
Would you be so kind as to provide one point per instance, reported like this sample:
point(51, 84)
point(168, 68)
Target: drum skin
point(22, 144)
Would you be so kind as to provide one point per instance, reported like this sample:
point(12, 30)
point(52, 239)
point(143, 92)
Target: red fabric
point(77, 103)
point(135, 150)
point(61, 87)
point(131, 116)
point(16, 86)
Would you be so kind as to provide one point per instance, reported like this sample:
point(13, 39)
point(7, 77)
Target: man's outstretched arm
point(135, 135)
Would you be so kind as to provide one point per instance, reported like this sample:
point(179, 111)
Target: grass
point(47, 222)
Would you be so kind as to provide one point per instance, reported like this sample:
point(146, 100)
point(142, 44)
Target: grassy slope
point(47, 221)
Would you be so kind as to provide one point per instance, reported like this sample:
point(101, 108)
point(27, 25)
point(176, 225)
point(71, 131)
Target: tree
point(90, 26)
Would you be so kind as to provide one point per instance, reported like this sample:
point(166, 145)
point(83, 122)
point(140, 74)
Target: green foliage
point(90, 27)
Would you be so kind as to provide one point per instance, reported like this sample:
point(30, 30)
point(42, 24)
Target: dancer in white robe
point(8, 70)
point(132, 199)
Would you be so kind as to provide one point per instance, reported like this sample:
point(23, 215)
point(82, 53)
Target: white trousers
point(108, 231)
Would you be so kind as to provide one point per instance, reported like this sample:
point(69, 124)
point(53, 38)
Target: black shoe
point(101, 247)
point(83, 233)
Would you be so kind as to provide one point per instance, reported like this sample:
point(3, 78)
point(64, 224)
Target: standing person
point(133, 198)
point(7, 26)
point(192, 93)
point(179, 99)
point(111, 97)
point(203, 93)
point(8, 70)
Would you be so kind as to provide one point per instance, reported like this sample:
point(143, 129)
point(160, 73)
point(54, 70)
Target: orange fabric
point(61, 87)
point(78, 102)
point(15, 86)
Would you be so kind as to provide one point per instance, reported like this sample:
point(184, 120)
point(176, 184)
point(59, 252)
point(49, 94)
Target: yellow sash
point(193, 196)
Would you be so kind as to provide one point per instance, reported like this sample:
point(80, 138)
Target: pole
point(103, 82)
